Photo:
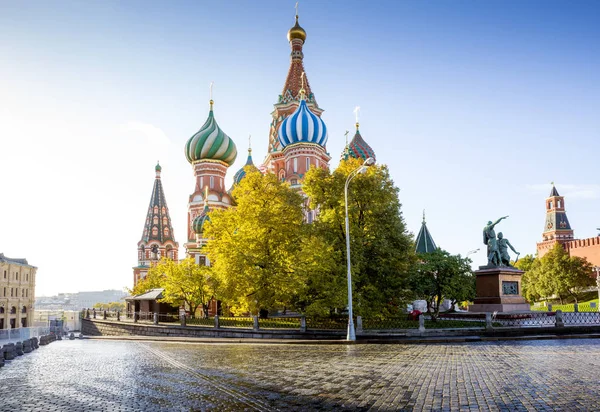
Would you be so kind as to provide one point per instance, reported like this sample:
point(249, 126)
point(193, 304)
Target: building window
point(24, 309)
point(5, 274)
point(294, 182)
point(282, 175)
point(11, 292)
point(26, 293)
point(155, 220)
point(307, 164)
point(4, 292)
point(550, 205)
point(558, 204)
point(13, 310)
point(155, 210)
point(27, 277)
point(22, 293)
point(16, 275)
point(212, 182)
point(317, 162)
point(295, 165)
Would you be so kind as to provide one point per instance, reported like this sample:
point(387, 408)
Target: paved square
point(91, 375)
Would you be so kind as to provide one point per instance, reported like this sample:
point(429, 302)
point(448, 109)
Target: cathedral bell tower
point(297, 135)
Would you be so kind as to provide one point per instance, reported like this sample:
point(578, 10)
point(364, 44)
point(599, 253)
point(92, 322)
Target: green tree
point(556, 273)
point(566, 275)
point(531, 284)
point(185, 283)
point(152, 280)
point(439, 275)
point(381, 247)
point(255, 246)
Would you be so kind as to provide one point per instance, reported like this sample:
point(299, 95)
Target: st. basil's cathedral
point(297, 141)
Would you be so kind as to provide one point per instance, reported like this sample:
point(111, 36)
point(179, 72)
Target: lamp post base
point(351, 335)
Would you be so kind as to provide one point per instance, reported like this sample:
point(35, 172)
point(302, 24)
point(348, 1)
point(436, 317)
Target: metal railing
point(19, 334)
point(402, 323)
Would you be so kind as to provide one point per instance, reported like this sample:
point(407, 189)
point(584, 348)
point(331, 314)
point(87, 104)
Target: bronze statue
point(503, 245)
point(489, 239)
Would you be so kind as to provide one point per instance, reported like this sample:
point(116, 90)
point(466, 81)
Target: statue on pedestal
point(497, 248)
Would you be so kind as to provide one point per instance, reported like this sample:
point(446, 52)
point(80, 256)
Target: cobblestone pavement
point(88, 375)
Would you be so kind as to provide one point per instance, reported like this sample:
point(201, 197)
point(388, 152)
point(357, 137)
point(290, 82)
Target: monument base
point(498, 289)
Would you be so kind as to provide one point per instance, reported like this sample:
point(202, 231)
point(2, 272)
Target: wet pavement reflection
point(95, 375)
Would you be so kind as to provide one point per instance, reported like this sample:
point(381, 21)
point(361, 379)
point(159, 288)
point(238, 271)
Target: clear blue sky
point(476, 106)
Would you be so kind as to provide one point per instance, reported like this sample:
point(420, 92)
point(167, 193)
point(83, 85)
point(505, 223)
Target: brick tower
point(158, 239)
point(557, 228)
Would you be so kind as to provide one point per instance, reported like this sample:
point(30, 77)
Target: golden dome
point(296, 32)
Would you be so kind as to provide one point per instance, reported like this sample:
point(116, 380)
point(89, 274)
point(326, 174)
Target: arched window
point(282, 175)
point(155, 210)
point(154, 231)
point(166, 231)
point(155, 220)
point(24, 309)
point(1, 309)
point(165, 221)
point(13, 310)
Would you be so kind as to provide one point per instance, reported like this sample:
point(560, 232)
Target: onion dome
point(210, 143)
point(296, 32)
point(302, 126)
point(240, 174)
point(358, 148)
point(158, 168)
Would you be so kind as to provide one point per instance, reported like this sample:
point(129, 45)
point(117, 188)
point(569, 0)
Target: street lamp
point(363, 168)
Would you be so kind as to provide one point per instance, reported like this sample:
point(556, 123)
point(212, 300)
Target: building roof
point(152, 294)
point(424, 243)
point(553, 192)
point(158, 203)
point(4, 259)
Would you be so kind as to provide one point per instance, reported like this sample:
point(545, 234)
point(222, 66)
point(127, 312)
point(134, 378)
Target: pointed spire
point(158, 224)
point(553, 192)
point(424, 242)
point(293, 82)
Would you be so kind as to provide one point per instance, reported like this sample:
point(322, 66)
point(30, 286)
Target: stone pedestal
point(498, 289)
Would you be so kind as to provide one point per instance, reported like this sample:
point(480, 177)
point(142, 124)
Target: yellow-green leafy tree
point(381, 247)
point(185, 283)
point(254, 247)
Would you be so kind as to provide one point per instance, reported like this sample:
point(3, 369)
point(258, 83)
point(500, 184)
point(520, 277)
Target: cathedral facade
point(297, 141)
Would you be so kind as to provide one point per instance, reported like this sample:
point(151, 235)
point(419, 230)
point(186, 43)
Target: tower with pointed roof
point(556, 227)
point(297, 136)
point(424, 242)
point(210, 152)
point(158, 239)
point(358, 148)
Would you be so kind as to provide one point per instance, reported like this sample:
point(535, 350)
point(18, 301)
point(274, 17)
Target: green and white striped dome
point(210, 143)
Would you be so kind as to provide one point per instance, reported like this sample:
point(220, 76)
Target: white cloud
point(154, 135)
point(571, 191)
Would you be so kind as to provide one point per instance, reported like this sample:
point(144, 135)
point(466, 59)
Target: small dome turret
point(240, 174)
point(358, 148)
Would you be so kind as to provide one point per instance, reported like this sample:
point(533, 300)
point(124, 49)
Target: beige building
point(17, 293)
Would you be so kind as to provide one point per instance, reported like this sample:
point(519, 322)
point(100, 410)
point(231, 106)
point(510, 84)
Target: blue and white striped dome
point(302, 126)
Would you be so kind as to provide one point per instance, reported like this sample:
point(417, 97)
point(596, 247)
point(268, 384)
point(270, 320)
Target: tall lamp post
point(363, 168)
point(597, 269)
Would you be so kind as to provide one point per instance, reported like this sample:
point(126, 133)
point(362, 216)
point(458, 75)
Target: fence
point(445, 321)
point(19, 334)
point(570, 307)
